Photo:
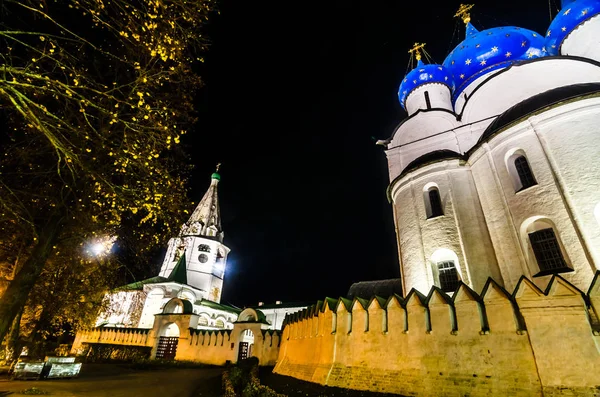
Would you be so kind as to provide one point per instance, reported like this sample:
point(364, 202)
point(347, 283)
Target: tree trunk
point(13, 342)
point(14, 298)
point(37, 342)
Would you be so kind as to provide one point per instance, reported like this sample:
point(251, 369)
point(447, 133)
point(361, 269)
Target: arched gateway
point(246, 344)
point(167, 342)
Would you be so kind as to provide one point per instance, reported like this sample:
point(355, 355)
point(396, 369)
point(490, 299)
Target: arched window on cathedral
point(448, 276)
point(446, 271)
point(219, 324)
point(520, 170)
point(545, 247)
point(433, 202)
point(524, 171)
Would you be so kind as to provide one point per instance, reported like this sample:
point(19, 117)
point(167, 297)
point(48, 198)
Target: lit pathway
point(114, 381)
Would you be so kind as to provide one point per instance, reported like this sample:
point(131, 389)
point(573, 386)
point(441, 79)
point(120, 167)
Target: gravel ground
point(296, 388)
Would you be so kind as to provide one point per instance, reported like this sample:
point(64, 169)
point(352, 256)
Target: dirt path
point(100, 380)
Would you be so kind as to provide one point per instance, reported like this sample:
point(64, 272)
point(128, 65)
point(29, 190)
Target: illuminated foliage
point(98, 94)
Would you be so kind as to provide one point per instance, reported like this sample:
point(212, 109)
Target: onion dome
point(573, 14)
point(491, 49)
point(421, 75)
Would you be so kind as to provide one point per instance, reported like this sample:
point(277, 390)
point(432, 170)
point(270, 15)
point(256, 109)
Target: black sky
point(295, 92)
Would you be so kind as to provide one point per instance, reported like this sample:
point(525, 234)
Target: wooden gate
point(243, 354)
point(167, 347)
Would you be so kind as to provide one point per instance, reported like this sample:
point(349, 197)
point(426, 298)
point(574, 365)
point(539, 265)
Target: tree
point(67, 297)
point(97, 97)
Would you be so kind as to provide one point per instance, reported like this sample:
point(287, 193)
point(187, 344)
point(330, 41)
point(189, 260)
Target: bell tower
point(201, 242)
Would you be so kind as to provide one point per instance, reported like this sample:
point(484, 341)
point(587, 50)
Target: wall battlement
point(215, 347)
point(530, 342)
point(115, 336)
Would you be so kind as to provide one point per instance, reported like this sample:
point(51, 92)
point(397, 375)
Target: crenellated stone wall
point(114, 336)
point(529, 343)
point(214, 347)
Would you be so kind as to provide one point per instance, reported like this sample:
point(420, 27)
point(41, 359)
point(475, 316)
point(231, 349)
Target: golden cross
point(464, 12)
point(417, 50)
point(218, 166)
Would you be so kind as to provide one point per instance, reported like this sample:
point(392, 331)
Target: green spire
point(216, 174)
point(179, 273)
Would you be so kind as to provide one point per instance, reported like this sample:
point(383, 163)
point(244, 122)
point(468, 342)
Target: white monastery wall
point(488, 346)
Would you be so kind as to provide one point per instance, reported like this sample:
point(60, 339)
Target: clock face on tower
point(203, 258)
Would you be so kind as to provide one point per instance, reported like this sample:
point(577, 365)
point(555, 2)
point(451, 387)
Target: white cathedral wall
point(570, 137)
point(501, 228)
point(402, 156)
point(414, 270)
point(461, 229)
point(584, 41)
point(480, 258)
point(508, 212)
point(498, 94)
point(431, 131)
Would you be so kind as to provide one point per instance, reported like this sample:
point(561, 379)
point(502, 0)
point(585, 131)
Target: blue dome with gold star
point(573, 14)
point(491, 49)
point(421, 75)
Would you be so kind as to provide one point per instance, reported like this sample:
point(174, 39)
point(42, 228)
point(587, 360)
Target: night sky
point(296, 92)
